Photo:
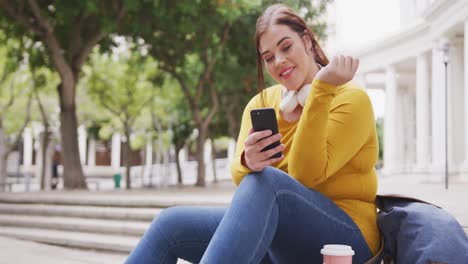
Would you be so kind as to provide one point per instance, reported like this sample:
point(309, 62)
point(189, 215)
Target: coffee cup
point(337, 254)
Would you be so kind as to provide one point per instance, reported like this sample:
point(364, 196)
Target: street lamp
point(444, 46)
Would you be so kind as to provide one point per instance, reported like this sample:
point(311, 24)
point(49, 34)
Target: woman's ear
point(307, 42)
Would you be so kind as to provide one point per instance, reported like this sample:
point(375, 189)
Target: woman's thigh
point(178, 232)
point(307, 221)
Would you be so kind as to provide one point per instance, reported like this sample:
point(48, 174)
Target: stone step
point(117, 213)
point(104, 226)
point(122, 244)
point(114, 200)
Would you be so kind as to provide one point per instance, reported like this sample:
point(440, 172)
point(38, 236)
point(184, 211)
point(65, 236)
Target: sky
point(361, 22)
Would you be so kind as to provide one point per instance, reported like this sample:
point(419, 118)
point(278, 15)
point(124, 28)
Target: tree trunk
point(73, 177)
point(44, 146)
point(127, 157)
point(233, 123)
point(177, 160)
point(201, 157)
point(213, 160)
point(143, 166)
point(3, 151)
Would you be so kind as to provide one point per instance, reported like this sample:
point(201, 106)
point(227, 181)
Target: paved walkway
point(27, 252)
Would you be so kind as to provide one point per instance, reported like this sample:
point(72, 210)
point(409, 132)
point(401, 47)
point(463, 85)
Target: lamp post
point(444, 46)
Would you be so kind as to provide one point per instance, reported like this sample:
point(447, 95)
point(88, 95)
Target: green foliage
point(121, 85)
point(379, 125)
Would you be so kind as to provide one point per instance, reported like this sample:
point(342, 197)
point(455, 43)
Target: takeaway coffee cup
point(337, 254)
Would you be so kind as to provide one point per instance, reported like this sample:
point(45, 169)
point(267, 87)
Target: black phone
point(264, 119)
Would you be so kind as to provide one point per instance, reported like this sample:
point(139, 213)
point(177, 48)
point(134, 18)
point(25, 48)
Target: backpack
point(417, 232)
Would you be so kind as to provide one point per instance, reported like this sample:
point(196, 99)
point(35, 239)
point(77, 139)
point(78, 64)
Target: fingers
point(261, 165)
point(263, 143)
point(255, 158)
point(256, 136)
point(268, 153)
point(355, 65)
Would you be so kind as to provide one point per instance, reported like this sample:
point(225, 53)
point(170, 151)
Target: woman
point(321, 191)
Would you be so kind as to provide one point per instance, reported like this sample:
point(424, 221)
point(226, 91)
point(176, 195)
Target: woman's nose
point(279, 59)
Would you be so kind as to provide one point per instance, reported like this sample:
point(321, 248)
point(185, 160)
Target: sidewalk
point(26, 252)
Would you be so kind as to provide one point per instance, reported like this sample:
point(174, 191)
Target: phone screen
point(264, 119)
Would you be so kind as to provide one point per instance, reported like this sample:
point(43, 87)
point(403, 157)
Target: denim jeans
point(272, 219)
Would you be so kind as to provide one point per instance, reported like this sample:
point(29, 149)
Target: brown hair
point(283, 15)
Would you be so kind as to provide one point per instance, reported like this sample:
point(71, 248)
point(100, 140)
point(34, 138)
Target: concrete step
point(104, 226)
point(122, 244)
point(117, 213)
point(115, 200)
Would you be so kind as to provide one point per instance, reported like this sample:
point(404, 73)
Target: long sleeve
point(238, 170)
point(329, 134)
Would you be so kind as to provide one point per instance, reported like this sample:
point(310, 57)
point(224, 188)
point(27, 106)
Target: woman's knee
point(166, 224)
point(270, 176)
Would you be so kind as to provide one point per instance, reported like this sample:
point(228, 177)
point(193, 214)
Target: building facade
point(417, 67)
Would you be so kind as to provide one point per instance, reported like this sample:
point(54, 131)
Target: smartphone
point(264, 119)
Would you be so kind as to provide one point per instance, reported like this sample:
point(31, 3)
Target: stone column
point(422, 112)
point(390, 124)
point(82, 143)
point(183, 155)
point(92, 152)
point(231, 149)
point(465, 74)
point(208, 162)
point(27, 148)
point(438, 111)
point(115, 156)
point(456, 132)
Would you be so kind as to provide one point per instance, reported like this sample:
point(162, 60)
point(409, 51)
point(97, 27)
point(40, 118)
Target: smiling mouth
point(286, 74)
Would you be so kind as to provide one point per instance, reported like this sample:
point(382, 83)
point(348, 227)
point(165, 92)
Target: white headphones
point(291, 99)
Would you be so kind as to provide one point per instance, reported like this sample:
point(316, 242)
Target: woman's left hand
point(339, 71)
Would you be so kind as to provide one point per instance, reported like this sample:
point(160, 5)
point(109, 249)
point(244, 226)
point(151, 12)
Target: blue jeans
point(272, 219)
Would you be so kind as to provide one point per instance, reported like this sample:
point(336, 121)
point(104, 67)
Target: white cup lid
point(337, 250)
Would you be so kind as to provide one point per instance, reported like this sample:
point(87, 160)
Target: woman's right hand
point(254, 158)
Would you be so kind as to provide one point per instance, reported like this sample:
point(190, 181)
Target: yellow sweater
point(332, 148)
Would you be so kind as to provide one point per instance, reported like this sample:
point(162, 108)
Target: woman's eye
point(269, 59)
point(287, 48)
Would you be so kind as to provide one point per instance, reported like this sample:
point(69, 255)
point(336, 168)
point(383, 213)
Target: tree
point(188, 51)
point(14, 88)
point(43, 83)
point(69, 31)
point(124, 88)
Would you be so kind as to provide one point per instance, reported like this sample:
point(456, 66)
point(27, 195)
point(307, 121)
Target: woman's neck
point(315, 67)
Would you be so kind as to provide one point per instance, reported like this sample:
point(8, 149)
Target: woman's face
point(287, 57)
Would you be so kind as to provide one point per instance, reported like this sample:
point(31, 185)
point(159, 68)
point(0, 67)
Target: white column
point(183, 155)
point(27, 148)
point(456, 128)
point(390, 124)
point(360, 79)
point(82, 143)
point(438, 112)
point(115, 156)
point(465, 74)
point(148, 159)
point(92, 152)
point(208, 163)
point(422, 112)
point(406, 134)
point(231, 149)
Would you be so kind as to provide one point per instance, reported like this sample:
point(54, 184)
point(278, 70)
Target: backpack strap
point(379, 256)
point(381, 198)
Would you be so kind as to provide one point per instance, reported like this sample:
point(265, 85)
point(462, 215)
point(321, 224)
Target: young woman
point(321, 191)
